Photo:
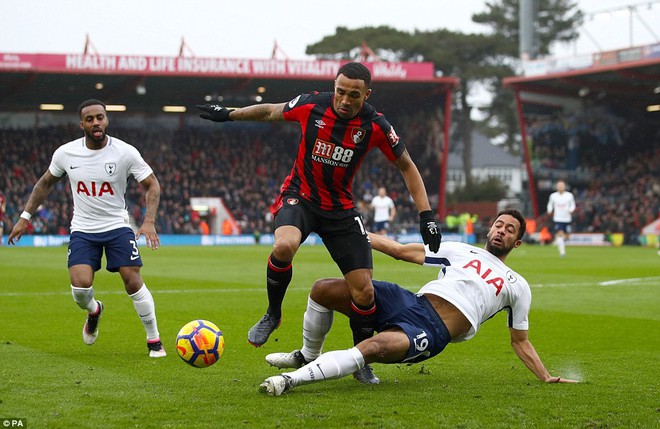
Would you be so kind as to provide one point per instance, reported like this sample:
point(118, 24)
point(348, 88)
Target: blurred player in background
point(3, 207)
point(98, 167)
point(338, 129)
point(561, 206)
point(473, 285)
point(384, 211)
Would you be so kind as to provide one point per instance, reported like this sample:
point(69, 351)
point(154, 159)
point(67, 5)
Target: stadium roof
point(145, 84)
point(631, 83)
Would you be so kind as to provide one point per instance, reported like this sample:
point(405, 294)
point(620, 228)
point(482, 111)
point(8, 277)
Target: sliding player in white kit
point(472, 286)
point(99, 167)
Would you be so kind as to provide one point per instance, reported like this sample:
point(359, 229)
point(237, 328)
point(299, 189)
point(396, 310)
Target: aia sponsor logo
point(94, 189)
point(323, 149)
point(491, 278)
point(357, 134)
point(393, 137)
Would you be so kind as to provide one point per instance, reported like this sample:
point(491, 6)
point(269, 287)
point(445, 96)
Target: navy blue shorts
point(121, 249)
point(383, 225)
point(563, 226)
point(415, 315)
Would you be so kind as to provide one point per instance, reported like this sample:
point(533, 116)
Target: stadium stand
point(244, 166)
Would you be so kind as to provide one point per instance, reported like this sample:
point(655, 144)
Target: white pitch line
point(641, 281)
point(155, 292)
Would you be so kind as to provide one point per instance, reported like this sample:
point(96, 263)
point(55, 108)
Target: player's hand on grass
point(214, 112)
point(429, 230)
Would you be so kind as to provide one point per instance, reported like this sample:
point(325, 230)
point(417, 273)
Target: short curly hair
point(355, 70)
point(90, 102)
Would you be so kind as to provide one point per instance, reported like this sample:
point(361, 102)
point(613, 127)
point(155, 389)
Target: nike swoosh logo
point(472, 251)
point(73, 168)
point(133, 258)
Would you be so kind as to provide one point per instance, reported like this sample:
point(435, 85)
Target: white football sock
point(561, 245)
point(84, 297)
point(146, 309)
point(334, 364)
point(317, 322)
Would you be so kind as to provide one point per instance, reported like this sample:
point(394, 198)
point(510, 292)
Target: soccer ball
point(200, 343)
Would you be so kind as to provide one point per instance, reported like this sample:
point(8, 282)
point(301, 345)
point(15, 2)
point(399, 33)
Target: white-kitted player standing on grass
point(561, 206)
point(98, 167)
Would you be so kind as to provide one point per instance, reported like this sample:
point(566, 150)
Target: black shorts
point(342, 233)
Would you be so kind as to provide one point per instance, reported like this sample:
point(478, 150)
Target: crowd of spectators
point(611, 162)
point(244, 165)
point(612, 166)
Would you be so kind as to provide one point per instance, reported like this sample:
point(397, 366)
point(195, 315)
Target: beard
point(90, 136)
point(497, 250)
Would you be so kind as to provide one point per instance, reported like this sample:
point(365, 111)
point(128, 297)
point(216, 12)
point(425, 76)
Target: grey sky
point(249, 29)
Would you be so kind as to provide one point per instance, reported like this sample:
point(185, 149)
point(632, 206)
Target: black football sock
point(362, 321)
point(278, 277)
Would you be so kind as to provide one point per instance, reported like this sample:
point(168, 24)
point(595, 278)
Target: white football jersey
point(562, 206)
point(98, 181)
point(479, 285)
point(382, 206)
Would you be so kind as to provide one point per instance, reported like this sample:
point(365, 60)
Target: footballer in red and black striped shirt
point(338, 129)
point(333, 147)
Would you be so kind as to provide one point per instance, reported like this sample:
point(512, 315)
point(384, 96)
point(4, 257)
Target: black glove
point(214, 112)
point(429, 230)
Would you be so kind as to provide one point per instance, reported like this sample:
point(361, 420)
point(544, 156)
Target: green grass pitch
point(595, 317)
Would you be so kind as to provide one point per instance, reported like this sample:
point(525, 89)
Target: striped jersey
point(331, 149)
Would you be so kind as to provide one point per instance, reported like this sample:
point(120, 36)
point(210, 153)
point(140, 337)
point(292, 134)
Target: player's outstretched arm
point(411, 252)
point(256, 112)
point(527, 353)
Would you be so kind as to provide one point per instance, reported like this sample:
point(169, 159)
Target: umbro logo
point(319, 123)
